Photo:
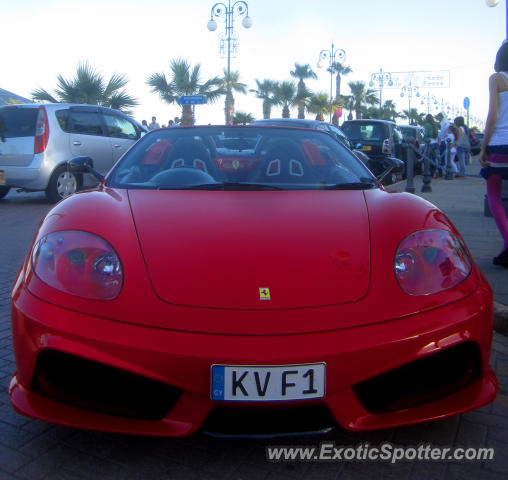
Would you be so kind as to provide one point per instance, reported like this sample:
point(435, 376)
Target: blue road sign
point(192, 99)
point(467, 103)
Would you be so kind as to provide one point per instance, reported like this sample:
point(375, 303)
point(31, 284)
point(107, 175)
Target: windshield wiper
point(231, 186)
point(351, 186)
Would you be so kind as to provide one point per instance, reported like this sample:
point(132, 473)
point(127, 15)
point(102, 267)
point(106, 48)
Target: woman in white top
point(494, 151)
point(452, 136)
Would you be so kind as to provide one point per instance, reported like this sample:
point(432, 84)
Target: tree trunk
point(285, 111)
point(187, 119)
point(301, 111)
point(231, 104)
point(267, 109)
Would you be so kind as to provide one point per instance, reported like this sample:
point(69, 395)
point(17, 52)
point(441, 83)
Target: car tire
point(4, 191)
point(62, 184)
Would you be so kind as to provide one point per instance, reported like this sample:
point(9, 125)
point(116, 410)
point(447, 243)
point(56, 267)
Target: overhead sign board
point(422, 79)
point(192, 99)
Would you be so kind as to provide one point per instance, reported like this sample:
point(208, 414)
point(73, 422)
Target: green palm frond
point(160, 85)
point(121, 101)
point(42, 95)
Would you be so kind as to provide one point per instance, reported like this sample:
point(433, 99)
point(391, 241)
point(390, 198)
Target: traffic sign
point(192, 99)
point(467, 103)
point(338, 112)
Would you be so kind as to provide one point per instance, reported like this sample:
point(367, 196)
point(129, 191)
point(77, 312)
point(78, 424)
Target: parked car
point(379, 139)
point(247, 279)
point(329, 128)
point(412, 134)
point(415, 135)
point(37, 141)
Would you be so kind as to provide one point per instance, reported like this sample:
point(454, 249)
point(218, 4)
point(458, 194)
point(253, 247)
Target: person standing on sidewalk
point(463, 145)
point(430, 139)
point(494, 151)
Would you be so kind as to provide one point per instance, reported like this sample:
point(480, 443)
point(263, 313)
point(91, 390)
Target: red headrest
point(157, 153)
point(313, 154)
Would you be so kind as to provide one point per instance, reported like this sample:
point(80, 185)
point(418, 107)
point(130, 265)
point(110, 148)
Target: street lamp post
point(429, 99)
point(332, 56)
point(493, 3)
point(382, 79)
point(229, 12)
point(409, 90)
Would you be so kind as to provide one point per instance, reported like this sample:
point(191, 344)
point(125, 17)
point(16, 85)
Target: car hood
point(254, 250)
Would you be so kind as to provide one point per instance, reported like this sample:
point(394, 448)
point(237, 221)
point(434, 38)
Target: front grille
point(424, 380)
point(262, 421)
point(94, 386)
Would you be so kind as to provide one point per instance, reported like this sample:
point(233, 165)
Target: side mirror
point(84, 165)
point(391, 165)
point(394, 164)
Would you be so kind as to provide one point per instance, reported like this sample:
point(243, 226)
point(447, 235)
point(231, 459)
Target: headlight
point(431, 261)
point(78, 263)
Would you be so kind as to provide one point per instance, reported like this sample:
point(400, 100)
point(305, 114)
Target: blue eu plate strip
point(217, 382)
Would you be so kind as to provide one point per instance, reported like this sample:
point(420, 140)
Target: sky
point(43, 38)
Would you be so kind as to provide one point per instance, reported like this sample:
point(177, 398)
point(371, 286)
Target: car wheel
point(4, 191)
point(62, 184)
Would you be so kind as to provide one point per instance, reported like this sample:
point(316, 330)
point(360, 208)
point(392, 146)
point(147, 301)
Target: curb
point(501, 318)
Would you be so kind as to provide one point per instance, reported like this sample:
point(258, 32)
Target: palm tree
point(362, 96)
point(265, 92)
point(319, 103)
point(390, 111)
point(347, 102)
point(302, 99)
point(302, 72)
point(185, 80)
point(242, 118)
point(234, 85)
point(89, 87)
point(387, 112)
point(285, 95)
point(413, 116)
point(339, 69)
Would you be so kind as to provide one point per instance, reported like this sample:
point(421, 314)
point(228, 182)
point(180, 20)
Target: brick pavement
point(34, 450)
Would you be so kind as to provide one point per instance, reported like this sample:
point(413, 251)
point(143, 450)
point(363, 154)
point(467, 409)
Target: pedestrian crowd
point(449, 144)
point(153, 125)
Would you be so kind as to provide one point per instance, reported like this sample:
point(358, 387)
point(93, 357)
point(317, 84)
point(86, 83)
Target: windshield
point(239, 158)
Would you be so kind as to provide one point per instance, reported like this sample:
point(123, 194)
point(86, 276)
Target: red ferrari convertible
point(247, 280)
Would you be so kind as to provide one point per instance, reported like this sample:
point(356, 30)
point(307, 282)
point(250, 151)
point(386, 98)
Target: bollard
point(410, 168)
point(426, 168)
point(449, 170)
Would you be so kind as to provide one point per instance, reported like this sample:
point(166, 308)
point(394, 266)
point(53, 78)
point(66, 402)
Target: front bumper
point(182, 361)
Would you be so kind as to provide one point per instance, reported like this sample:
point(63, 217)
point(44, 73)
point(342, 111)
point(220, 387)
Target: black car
point(379, 139)
point(329, 128)
point(334, 131)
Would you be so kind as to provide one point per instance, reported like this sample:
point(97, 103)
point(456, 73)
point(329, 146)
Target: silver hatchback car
point(37, 141)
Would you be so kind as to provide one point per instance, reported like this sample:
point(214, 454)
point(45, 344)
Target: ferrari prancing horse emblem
point(264, 293)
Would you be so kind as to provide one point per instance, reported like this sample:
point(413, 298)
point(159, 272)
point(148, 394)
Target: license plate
point(2, 177)
point(267, 383)
point(366, 147)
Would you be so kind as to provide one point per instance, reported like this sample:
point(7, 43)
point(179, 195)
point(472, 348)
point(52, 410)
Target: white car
point(37, 141)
